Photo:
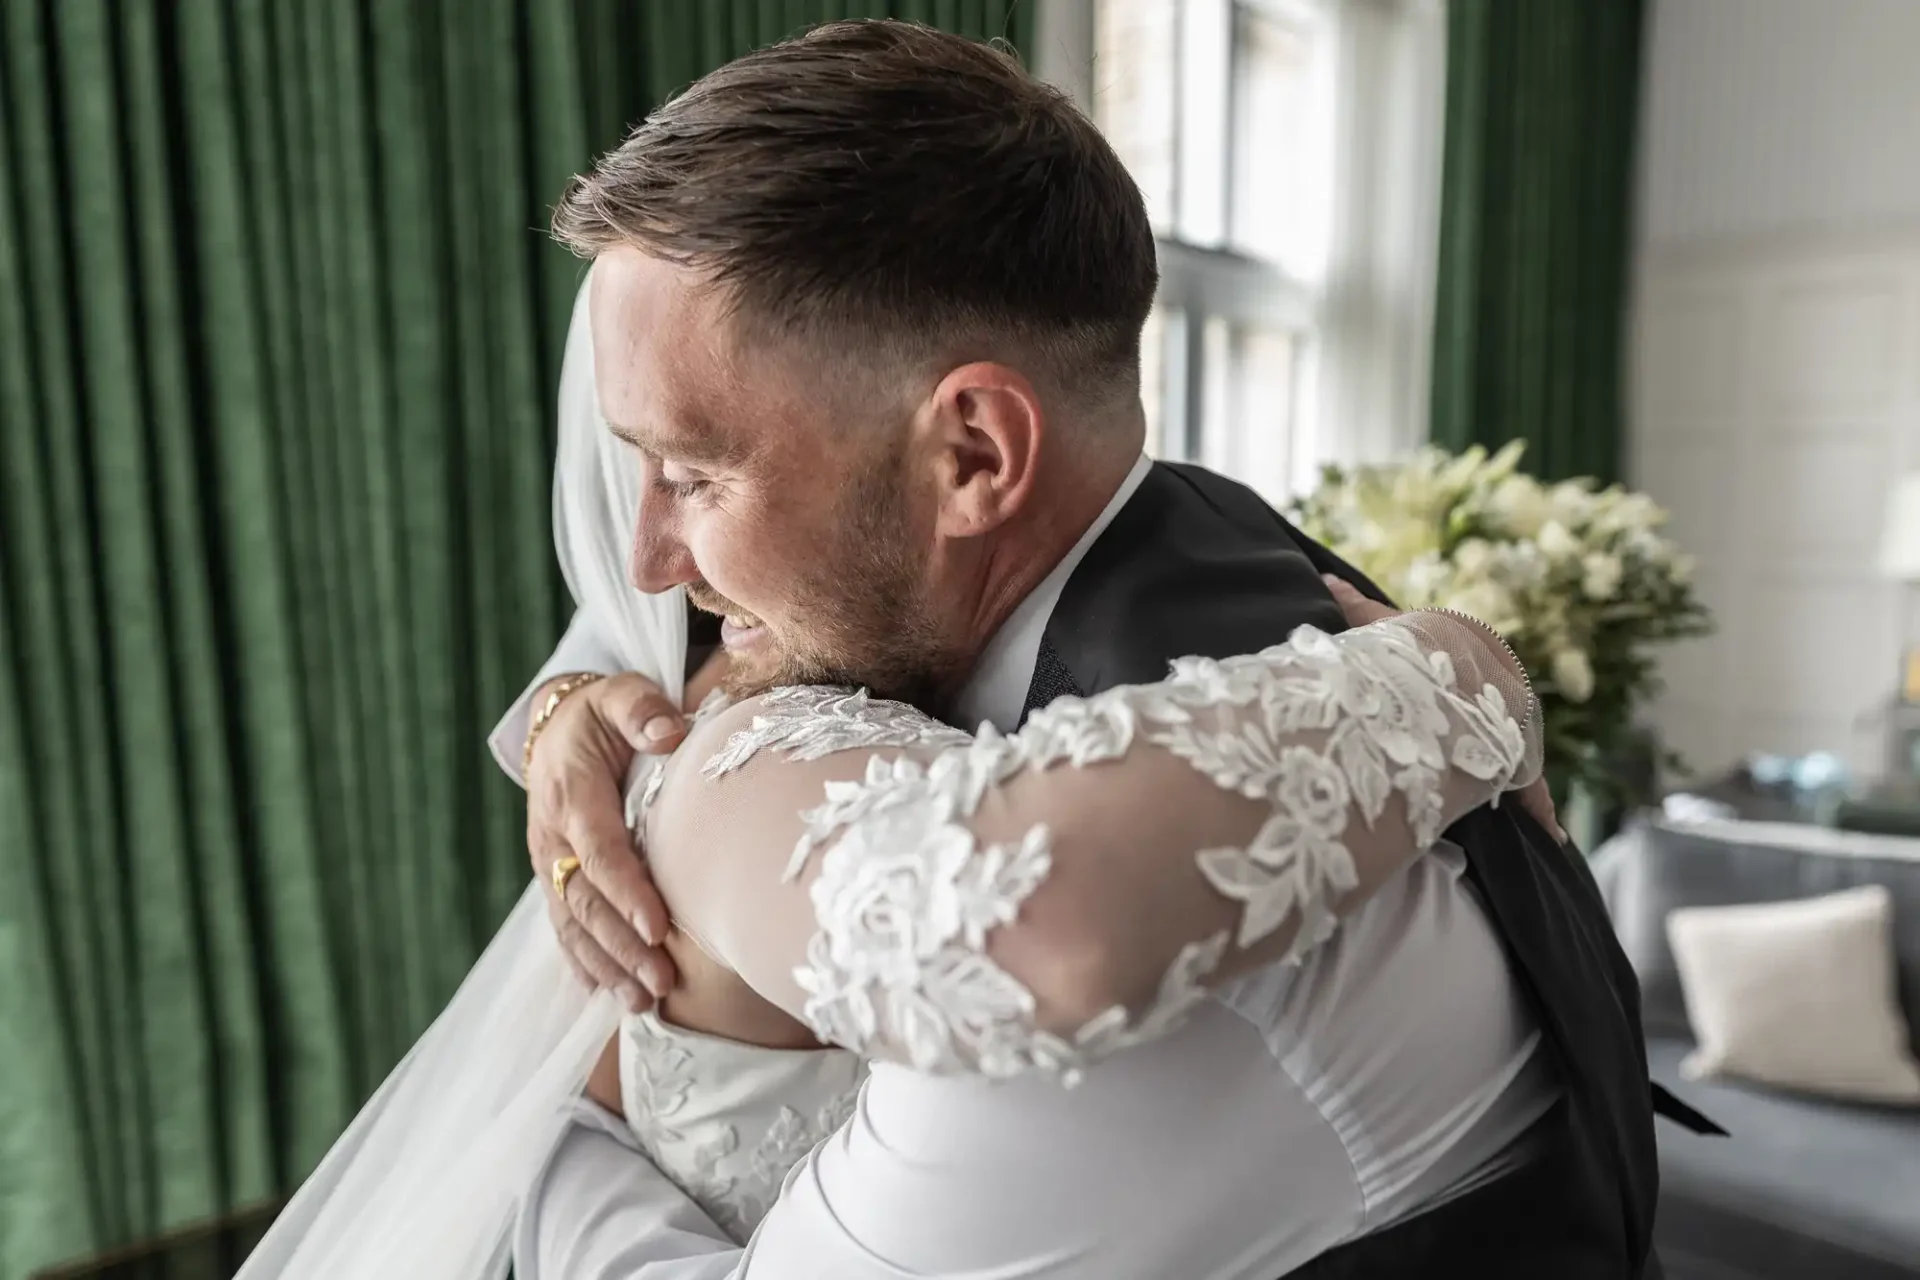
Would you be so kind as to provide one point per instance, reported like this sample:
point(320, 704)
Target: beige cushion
point(1797, 994)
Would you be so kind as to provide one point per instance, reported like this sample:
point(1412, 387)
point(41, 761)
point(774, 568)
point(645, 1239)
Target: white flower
point(1459, 473)
point(1624, 512)
point(1412, 490)
point(1487, 601)
point(1502, 464)
point(1520, 504)
point(1554, 567)
point(1573, 674)
point(1571, 501)
point(1473, 555)
point(1424, 579)
point(1602, 574)
point(1523, 564)
point(1556, 541)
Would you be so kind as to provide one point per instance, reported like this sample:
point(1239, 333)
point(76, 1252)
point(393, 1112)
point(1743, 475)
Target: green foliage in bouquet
point(1578, 579)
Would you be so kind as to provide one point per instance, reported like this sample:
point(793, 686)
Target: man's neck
point(1023, 556)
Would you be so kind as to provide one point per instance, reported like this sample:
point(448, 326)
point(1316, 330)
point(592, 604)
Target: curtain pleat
point(279, 336)
point(1535, 230)
point(51, 745)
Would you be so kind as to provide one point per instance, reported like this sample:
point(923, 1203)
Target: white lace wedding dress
point(958, 910)
point(904, 897)
point(727, 1120)
point(724, 1120)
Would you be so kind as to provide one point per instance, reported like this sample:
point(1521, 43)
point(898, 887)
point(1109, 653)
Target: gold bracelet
point(557, 693)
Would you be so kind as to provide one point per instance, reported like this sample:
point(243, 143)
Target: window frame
point(1365, 324)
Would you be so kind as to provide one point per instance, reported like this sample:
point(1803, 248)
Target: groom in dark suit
point(1195, 563)
point(868, 305)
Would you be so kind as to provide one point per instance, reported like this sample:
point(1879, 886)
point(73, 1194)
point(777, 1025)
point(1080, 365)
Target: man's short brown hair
point(893, 187)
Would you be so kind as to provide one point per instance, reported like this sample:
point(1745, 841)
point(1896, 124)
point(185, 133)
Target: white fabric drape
point(424, 1183)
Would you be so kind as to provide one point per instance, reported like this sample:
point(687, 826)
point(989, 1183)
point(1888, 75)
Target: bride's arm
point(1032, 902)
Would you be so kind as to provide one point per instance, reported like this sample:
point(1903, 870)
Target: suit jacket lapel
point(1051, 679)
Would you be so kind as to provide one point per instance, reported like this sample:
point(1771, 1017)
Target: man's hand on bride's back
point(1359, 610)
point(612, 921)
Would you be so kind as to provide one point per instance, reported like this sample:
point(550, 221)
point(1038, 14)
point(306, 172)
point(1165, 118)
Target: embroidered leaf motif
point(1325, 732)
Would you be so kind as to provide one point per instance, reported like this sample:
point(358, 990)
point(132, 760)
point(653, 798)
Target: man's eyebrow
point(698, 448)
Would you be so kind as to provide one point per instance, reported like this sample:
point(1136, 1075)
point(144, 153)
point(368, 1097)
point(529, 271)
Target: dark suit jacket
point(1197, 564)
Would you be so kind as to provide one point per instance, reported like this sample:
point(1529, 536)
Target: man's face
point(802, 531)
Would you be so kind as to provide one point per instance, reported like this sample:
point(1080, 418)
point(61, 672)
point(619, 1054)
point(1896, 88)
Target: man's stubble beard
point(866, 605)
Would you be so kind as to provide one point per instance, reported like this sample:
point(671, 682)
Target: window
point(1288, 153)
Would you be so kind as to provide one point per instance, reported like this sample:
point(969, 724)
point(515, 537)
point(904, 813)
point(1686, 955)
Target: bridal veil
point(425, 1181)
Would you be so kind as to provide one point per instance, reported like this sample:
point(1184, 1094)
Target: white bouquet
point(1578, 579)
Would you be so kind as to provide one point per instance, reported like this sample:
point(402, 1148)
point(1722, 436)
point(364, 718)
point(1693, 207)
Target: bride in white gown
point(954, 904)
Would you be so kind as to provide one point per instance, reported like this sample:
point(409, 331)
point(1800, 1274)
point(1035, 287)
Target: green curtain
point(279, 333)
point(1535, 229)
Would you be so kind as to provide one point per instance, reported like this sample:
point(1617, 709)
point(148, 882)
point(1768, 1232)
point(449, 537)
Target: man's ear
point(984, 425)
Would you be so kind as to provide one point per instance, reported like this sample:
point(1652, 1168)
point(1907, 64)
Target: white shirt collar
point(996, 692)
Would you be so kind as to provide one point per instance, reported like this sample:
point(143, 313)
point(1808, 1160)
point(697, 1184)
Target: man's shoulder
point(1206, 494)
point(1182, 510)
point(1184, 506)
point(1194, 563)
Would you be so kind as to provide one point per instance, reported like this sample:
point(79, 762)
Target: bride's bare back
point(713, 998)
point(709, 996)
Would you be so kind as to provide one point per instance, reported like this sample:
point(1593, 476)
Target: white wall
point(1780, 115)
point(1777, 354)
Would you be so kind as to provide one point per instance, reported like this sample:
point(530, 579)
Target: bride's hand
point(612, 919)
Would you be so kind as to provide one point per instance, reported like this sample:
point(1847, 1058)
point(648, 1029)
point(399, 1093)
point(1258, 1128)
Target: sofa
point(1805, 1188)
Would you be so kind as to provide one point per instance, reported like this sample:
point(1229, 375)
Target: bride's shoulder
point(719, 820)
point(803, 723)
point(748, 766)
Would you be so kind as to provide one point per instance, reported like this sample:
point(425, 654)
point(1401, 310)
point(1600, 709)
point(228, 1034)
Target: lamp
point(1900, 560)
point(1900, 536)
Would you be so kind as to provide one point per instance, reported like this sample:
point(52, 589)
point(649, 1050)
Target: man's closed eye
point(691, 487)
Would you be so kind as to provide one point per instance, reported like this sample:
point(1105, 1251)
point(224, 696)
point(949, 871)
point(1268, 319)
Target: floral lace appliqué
point(702, 1155)
point(906, 894)
point(808, 722)
point(786, 1141)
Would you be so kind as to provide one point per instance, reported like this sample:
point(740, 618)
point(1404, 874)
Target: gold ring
point(563, 869)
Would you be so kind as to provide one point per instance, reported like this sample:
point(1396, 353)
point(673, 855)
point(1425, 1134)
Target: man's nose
point(660, 560)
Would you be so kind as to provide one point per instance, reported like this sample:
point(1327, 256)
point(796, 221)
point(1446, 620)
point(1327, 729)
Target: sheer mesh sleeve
point(1002, 904)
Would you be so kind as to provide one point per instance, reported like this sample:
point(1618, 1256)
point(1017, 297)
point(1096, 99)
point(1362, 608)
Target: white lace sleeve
point(965, 904)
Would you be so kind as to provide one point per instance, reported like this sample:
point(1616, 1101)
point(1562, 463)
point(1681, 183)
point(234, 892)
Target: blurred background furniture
point(210, 1250)
point(1804, 1188)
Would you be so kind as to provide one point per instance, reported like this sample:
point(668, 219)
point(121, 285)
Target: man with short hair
point(867, 304)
